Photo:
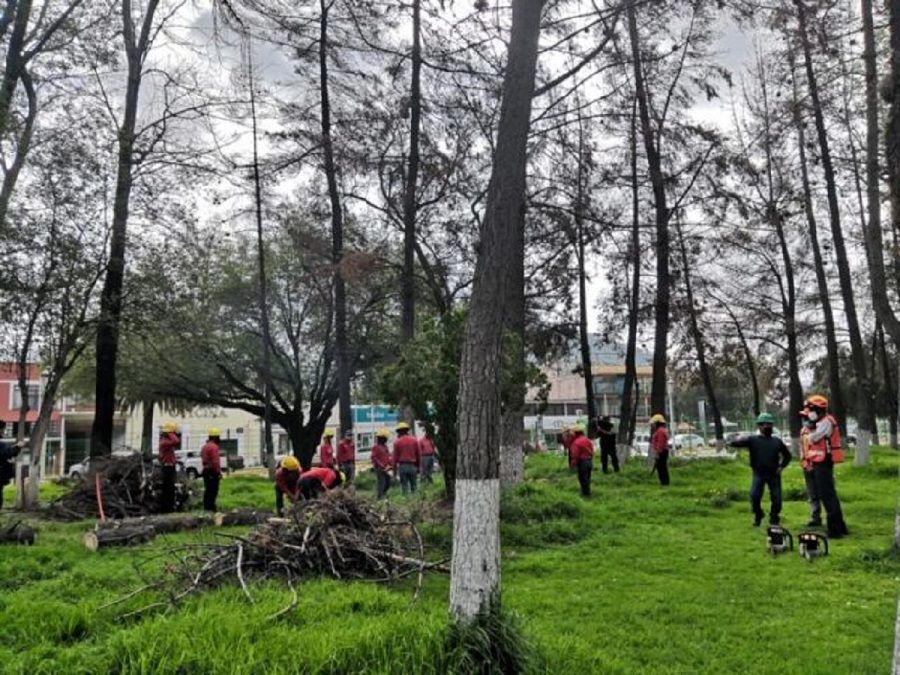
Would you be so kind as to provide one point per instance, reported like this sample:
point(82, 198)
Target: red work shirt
point(346, 452)
point(567, 439)
point(168, 444)
point(326, 455)
point(381, 458)
point(286, 481)
point(406, 451)
point(326, 477)
point(211, 457)
point(582, 448)
point(659, 442)
point(426, 447)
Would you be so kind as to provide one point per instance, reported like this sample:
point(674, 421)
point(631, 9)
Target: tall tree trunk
point(786, 282)
point(626, 413)
point(873, 234)
point(864, 416)
point(657, 181)
point(15, 63)
point(30, 498)
point(475, 567)
point(893, 395)
point(584, 337)
point(262, 278)
point(410, 197)
point(136, 47)
point(337, 230)
point(699, 347)
point(834, 370)
point(23, 146)
point(147, 407)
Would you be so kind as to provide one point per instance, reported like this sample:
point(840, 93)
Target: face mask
point(813, 416)
point(766, 431)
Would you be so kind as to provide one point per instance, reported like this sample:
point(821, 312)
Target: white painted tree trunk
point(623, 450)
point(896, 668)
point(475, 566)
point(720, 446)
point(795, 447)
point(863, 441)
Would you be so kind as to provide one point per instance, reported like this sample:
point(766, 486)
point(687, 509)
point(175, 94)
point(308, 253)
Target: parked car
point(688, 441)
point(81, 469)
point(190, 461)
point(641, 444)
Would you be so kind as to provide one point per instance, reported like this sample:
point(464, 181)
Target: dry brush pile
point(341, 534)
point(128, 487)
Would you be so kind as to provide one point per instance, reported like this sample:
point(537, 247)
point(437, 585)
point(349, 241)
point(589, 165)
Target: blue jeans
point(407, 472)
point(759, 483)
point(427, 468)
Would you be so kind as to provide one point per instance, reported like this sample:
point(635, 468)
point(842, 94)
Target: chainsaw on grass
point(812, 545)
point(778, 540)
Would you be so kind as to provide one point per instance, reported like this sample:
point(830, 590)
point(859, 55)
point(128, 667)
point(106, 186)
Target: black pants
point(662, 467)
point(310, 488)
point(167, 499)
point(3, 484)
point(349, 469)
point(823, 473)
point(585, 468)
point(759, 483)
point(279, 501)
point(210, 489)
point(383, 482)
point(609, 454)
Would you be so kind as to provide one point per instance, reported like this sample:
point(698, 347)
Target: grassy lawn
point(635, 580)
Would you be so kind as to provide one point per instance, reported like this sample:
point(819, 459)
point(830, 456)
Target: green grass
point(637, 579)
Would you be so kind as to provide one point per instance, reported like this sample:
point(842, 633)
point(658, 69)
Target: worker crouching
point(287, 479)
point(317, 480)
point(582, 453)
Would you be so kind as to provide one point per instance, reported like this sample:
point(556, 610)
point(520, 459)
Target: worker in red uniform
point(382, 462)
point(406, 458)
point(326, 450)
point(318, 479)
point(659, 446)
point(287, 482)
point(582, 454)
point(346, 455)
point(169, 442)
point(426, 458)
point(211, 459)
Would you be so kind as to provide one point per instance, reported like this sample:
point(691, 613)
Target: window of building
point(34, 392)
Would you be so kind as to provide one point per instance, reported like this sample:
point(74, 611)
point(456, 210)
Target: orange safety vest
point(821, 449)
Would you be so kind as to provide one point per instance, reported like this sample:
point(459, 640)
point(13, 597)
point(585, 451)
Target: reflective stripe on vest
point(819, 450)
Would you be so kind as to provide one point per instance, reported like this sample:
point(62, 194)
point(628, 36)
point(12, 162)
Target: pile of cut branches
point(128, 487)
point(341, 534)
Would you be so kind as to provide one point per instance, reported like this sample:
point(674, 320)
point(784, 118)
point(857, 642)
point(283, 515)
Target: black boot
point(837, 529)
point(815, 522)
point(758, 518)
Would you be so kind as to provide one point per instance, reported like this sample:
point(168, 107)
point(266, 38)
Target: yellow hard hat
point(403, 426)
point(329, 433)
point(383, 433)
point(566, 427)
point(657, 419)
point(578, 428)
point(213, 432)
point(169, 428)
point(290, 463)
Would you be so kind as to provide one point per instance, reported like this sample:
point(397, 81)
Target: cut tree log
point(118, 536)
point(162, 524)
point(17, 533)
point(241, 517)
